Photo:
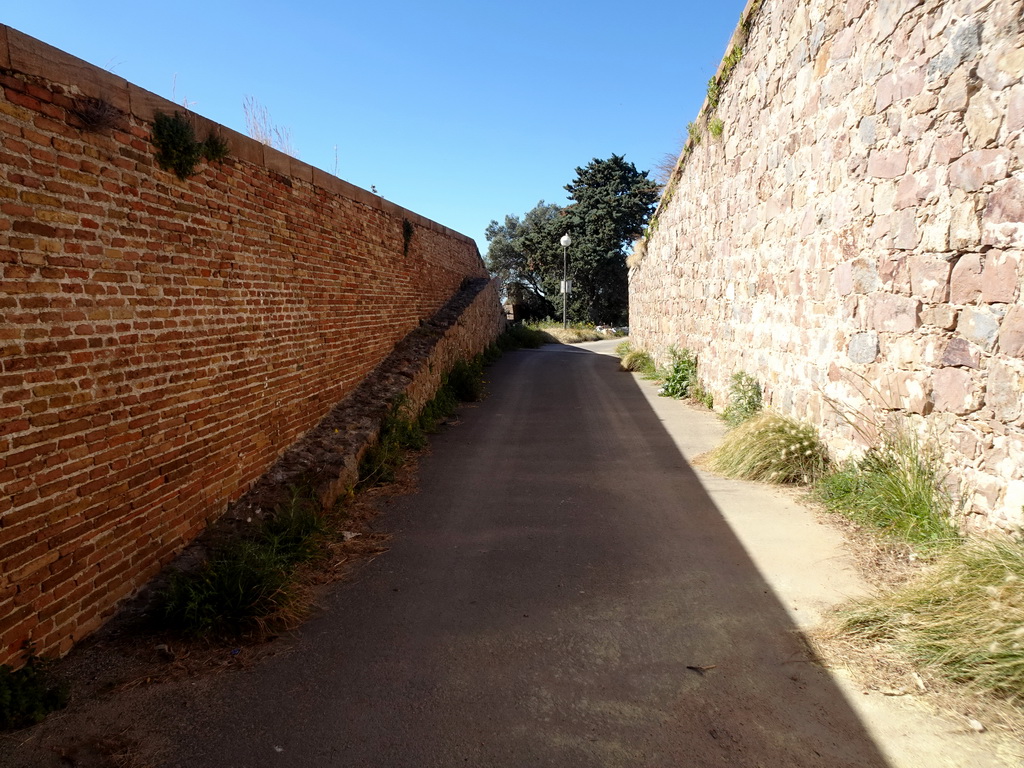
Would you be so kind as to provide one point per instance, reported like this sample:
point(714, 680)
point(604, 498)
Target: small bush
point(963, 619)
point(177, 148)
point(744, 399)
point(466, 380)
point(771, 448)
point(96, 114)
point(398, 433)
point(702, 396)
point(215, 149)
point(28, 695)
point(492, 354)
point(638, 361)
point(176, 145)
point(439, 408)
point(246, 582)
point(716, 127)
point(295, 532)
point(681, 375)
point(897, 487)
point(237, 589)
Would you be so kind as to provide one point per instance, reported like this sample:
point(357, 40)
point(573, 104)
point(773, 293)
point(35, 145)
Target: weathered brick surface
point(163, 341)
point(855, 238)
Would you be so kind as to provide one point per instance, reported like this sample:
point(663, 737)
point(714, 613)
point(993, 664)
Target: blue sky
point(461, 111)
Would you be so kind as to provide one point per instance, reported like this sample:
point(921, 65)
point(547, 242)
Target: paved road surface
point(561, 592)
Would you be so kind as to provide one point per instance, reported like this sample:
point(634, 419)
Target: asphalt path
point(561, 591)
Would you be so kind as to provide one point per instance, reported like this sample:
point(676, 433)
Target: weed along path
point(563, 590)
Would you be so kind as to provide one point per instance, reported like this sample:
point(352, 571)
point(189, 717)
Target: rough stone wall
point(854, 238)
point(163, 341)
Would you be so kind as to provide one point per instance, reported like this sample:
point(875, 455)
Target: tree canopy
point(610, 202)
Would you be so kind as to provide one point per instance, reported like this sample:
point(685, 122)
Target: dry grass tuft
point(771, 448)
point(962, 619)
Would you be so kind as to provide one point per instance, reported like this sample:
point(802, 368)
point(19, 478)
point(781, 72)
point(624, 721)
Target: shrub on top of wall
point(177, 147)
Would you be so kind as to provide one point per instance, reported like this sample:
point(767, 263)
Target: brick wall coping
point(27, 55)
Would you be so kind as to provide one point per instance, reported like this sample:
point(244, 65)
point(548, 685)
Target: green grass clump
point(28, 695)
point(399, 432)
point(466, 380)
point(439, 408)
point(744, 399)
point(679, 379)
point(636, 360)
point(238, 588)
point(771, 448)
point(247, 582)
point(897, 487)
point(962, 619)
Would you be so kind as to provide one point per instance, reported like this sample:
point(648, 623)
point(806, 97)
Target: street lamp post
point(566, 241)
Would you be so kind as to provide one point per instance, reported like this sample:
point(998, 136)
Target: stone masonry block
point(1002, 222)
point(1011, 332)
point(960, 352)
point(863, 347)
point(889, 164)
point(929, 277)
point(955, 390)
point(964, 226)
point(983, 119)
point(978, 168)
point(1000, 278)
point(965, 279)
point(1015, 109)
point(896, 314)
point(962, 44)
point(979, 325)
point(5, 49)
point(1004, 392)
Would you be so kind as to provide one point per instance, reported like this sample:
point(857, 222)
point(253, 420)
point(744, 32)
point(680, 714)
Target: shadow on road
point(561, 592)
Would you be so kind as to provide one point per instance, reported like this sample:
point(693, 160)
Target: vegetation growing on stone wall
point(716, 128)
point(96, 115)
point(250, 583)
point(408, 230)
point(693, 131)
point(178, 150)
point(715, 125)
point(771, 448)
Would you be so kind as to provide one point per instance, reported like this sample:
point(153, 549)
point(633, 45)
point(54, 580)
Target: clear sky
point(461, 111)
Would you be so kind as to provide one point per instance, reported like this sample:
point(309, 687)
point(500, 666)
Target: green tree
point(521, 254)
point(610, 204)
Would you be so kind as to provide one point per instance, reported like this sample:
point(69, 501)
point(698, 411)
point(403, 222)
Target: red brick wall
point(163, 341)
